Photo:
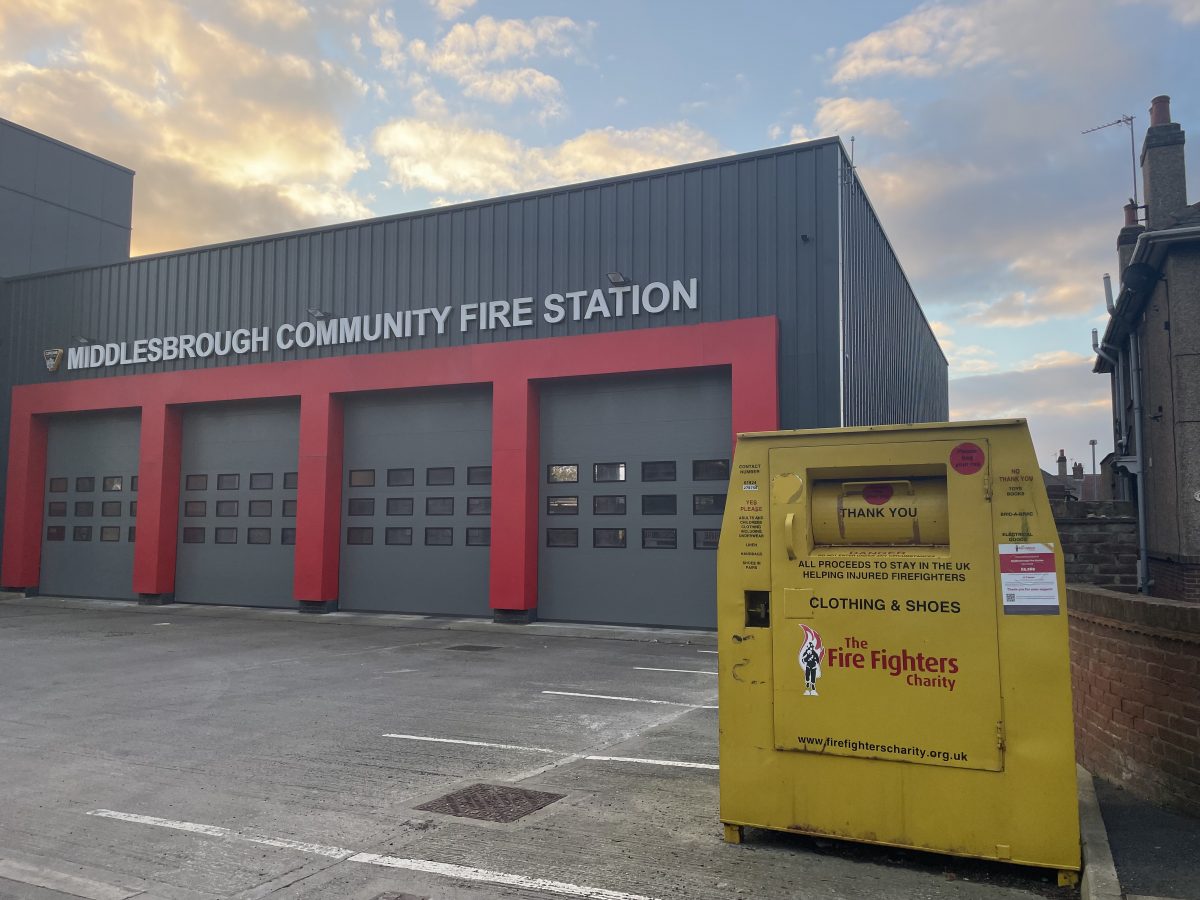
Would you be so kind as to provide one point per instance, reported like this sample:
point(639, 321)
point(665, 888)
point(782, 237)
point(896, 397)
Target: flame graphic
point(812, 639)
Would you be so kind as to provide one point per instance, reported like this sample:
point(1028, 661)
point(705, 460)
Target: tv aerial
point(1127, 121)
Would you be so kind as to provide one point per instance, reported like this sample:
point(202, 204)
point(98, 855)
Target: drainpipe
point(1135, 375)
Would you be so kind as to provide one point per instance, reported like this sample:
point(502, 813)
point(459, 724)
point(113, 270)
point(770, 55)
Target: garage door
point(417, 502)
point(634, 476)
point(237, 505)
point(91, 505)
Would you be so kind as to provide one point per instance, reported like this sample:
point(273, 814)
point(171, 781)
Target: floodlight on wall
point(616, 279)
point(318, 314)
point(80, 339)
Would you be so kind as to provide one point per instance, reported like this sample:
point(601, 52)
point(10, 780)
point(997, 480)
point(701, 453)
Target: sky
point(251, 117)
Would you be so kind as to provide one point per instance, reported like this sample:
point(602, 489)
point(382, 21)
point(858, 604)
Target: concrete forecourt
point(194, 752)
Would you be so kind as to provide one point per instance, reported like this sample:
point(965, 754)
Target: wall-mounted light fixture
point(318, 314)
point(616, 279)
point(80, 339)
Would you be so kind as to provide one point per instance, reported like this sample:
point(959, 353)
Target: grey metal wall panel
point(240, 440)
point(758, 231)
point(894, 369)
point(87, 534)
point(412, 432)
point(678, 418)
point(59, 206)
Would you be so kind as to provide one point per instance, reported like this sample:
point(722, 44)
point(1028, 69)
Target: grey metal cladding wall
point(735, 224)
point(59, 206)
point(895, 371)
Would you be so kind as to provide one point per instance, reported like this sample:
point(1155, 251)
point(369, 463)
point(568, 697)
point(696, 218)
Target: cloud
point(1186, 12)
point(1066, 403)
point(387, 40)
point(228, 137)
point(462, 162)
point(475, 55)
point(846, 115)
point(284, 13)
point(451, 9)
point(931, 41)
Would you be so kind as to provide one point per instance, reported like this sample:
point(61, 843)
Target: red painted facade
point(748, 347)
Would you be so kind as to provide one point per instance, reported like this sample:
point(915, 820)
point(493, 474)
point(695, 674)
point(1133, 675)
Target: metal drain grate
point(491, 803)
point(473, 648)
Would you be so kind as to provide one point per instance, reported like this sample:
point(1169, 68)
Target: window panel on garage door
point(416, 502)
point(634, 475)
point(90, 505)
point(237, 504)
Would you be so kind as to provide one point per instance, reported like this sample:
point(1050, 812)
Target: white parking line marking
point(686, 671)
point(572, 758)
point(470, 873)
point(706, 651)
point(436, 740)
point(218, 831)
point(627, 699)
point(678, 763)
point(426, 866)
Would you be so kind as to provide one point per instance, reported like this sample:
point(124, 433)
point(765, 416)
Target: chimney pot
point(1160, 110)
point(1131, 213)
point(1062, 462)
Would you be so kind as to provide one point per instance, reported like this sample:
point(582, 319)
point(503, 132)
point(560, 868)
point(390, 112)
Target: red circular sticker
point(966, 459)
point(877, 494)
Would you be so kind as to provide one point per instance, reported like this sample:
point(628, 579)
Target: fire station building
point(514, 408)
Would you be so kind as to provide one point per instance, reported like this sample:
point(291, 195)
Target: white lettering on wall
point(617, 302)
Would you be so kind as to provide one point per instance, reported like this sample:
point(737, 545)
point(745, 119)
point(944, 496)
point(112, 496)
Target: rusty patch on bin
point(491, 802)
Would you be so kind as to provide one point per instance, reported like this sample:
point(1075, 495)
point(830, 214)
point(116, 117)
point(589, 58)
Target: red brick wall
point(1135, 672)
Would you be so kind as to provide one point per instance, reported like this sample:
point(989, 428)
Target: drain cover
point(475, 648)
point(491, 803)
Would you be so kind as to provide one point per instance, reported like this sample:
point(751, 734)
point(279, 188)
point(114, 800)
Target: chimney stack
point(1077, 470)
point(1127, 237)
point(1062, 463)
point(1162, 165)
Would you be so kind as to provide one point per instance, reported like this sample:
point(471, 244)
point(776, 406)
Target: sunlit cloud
point(930, 41)
point(451, 9)
point(847, 115)
point(228, 137)
point(463, 162)
point(479, 56)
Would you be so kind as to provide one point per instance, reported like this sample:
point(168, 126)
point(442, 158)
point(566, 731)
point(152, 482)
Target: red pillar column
point(516, 463)
point(155, 550)
point(755, 387)
point(319, 503)
point(24, 504)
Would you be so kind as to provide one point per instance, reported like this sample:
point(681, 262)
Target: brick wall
point(1178, 579)
point(1135, 673)
point(1099, 539)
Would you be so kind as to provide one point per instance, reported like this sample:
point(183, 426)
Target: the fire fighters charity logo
point(811, 653)
point(53, 359)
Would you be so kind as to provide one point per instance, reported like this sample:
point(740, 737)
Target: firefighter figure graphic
point(811, 653)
